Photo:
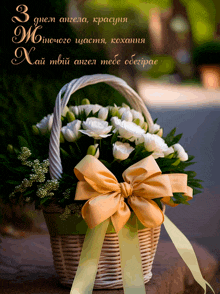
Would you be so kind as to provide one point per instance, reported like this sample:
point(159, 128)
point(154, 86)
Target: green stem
point(78, 147)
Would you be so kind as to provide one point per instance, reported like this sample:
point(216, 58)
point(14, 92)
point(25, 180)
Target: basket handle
point(132, 97)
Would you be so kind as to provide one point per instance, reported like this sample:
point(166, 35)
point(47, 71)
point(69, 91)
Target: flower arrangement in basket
point(107, 198)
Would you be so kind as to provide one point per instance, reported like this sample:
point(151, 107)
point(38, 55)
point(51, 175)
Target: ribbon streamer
point(143, 182)
point(185, 250)
point(89, 259)
point(132, 275)
point(129, 251)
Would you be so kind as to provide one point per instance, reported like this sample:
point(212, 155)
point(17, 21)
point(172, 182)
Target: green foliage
point(207, 53)
point(71, 153)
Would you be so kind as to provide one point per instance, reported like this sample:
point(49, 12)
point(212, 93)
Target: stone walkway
point(26, 267)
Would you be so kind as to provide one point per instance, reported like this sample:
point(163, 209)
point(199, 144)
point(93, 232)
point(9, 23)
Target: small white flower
point(71, 130)
point(96, 128)
point(128, 130)
point(138, 115)
point(155, 144)
point(154, 129)
point(121, 110)
point(115, 121)
point(103, 113)
point(169, 151)
point(127, 115)
point(45, 124)
point(90, 108)
point(74, 109)
point(121, 150)
point(181, 153)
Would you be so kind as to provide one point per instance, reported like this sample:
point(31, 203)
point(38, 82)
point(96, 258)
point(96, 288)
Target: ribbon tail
point(89, 259)
point(186, 251)
point(132, 274)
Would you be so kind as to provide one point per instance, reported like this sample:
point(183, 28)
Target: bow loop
point(126, 189)
point(143, 181)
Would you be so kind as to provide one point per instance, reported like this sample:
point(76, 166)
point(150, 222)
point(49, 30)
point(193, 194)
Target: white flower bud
point(181, 153)
point(155, 144)
point(160, 133)
point(45, 124)
point(127, 115)
point(70, 116)
point(121, 150)
point(97, 151)
point(121, 110)
point(93, 150)
point(74, 109)
point(71, 130)
point(138, 115)
point(154, 129)
point(103, 113)
point(168, 151)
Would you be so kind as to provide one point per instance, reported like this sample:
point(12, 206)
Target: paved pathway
point(26, 267)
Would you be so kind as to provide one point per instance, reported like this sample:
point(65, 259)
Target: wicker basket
point(67, 248)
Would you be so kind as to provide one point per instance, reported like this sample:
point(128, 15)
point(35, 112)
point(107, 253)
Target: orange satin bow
point(143, 181)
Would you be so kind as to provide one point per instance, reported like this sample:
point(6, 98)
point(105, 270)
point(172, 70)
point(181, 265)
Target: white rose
point(181, 153)
point(138, 115)
point(128, 130)
point(121, 150)
point(103, 113)
point(96, 128)
point(127, 115)
point(45, 124)
point(71, 130)
point(155, 144)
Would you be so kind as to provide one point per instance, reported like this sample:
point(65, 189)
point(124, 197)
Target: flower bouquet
point(107, 198)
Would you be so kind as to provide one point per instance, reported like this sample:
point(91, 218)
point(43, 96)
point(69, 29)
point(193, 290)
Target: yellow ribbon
point(143, 182)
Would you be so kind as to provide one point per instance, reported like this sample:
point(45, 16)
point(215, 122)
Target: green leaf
point(196, 191)
point(13, 182)
point(114, 138)
point(178, 198)
point(22, 142)
point(176, 139)
point(157, 200)
point(169, 137)
point(44, 200)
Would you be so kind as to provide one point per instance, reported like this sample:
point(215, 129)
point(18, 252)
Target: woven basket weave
point(67, 248)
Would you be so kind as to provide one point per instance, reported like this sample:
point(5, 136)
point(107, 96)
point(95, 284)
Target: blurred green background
point(173, 32)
